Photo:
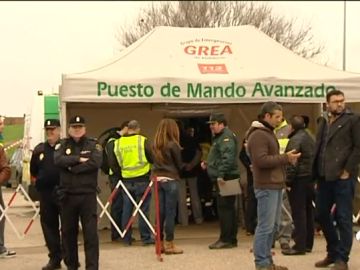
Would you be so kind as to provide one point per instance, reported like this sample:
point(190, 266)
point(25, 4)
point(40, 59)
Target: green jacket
point(222, 159)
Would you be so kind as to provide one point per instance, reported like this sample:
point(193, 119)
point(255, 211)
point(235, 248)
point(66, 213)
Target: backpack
point(103, 140)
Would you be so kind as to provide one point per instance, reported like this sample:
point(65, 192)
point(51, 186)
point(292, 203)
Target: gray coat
point(342, 146)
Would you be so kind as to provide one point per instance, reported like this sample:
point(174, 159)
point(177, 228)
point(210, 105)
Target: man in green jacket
point(221, 166)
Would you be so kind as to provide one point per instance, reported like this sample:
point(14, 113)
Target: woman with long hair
point(166, 168)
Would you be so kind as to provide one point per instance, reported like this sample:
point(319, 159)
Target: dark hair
point(334, 92)
point(224, 122)
point(297, 122)
point(306, 120)
point(269, 107)
point(124, 124)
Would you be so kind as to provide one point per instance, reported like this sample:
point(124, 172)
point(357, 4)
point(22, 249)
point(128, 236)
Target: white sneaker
point(7, 254)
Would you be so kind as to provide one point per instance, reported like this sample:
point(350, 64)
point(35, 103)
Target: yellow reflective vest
point(130, 154)
point(282, 132)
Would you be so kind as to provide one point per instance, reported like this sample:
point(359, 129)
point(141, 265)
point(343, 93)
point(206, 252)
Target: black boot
point(52, 265)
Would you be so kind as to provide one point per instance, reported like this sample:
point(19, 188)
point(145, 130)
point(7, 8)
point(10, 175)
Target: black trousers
point(81, 207)
point(301, 197)
point(339, 238)
point(227, 218)
point(50, 224)
point(116, 207)
point(250, 208)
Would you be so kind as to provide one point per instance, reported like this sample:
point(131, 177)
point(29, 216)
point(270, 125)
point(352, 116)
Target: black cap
point(77, 120)
point(51, 123)
point(217, 117)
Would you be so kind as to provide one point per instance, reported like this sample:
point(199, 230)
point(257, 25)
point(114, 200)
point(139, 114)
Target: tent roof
point(209, 57)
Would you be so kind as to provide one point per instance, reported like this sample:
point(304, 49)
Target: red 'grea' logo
point(208, 50)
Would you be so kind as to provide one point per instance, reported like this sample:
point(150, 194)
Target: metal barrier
point(12, 145)
point(137, 208)
point(4, 214)
point(135, 212)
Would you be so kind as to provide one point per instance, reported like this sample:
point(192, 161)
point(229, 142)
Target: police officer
point(79, 158)
point(46, 175)
point(222, 165)
point(133, 155)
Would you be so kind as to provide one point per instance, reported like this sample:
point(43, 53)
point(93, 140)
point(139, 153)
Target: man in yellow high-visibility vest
point(133, 155)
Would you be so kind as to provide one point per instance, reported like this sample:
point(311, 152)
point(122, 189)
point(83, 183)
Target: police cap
point(77, 120)
point(51, 123)
point(217, 117)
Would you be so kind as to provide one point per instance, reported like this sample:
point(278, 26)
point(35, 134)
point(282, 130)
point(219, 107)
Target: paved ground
point(194, 239)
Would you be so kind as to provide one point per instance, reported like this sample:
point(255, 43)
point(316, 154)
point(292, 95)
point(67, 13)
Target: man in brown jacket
point(5, 173)
point(268, 167)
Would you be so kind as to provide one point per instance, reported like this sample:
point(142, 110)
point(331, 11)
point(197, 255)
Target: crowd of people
point(287, 169)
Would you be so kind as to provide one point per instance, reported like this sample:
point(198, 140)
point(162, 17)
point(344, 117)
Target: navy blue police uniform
point(78, 189)
point(46, 175)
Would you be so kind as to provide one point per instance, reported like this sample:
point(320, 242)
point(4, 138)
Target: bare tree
point(222, 14)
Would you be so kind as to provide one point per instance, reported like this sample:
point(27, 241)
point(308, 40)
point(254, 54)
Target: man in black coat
point(251, 203)
point(46, 175)
point(79, 158)
point(114, 177)
point(337, 156)
point(301, 187)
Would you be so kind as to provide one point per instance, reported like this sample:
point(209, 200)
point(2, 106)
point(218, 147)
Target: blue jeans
point(339, 239)
point(136, 188)
point(168, 195)
point(268, 214)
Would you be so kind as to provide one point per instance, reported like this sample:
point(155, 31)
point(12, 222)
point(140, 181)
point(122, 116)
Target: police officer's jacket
point(222, 158)
point(42, 167)
point(76, 177)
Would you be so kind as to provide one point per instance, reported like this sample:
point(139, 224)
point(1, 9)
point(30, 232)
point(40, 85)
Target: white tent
point(207, 65)
point(171, 69)
point(187, 72)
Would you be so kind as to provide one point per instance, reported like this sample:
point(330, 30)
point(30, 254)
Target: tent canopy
point(207, 65)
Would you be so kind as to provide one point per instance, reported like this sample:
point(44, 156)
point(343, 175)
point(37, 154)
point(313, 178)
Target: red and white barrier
point(4, 214)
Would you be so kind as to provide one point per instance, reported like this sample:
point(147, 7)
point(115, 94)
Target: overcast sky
point(42, 40)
